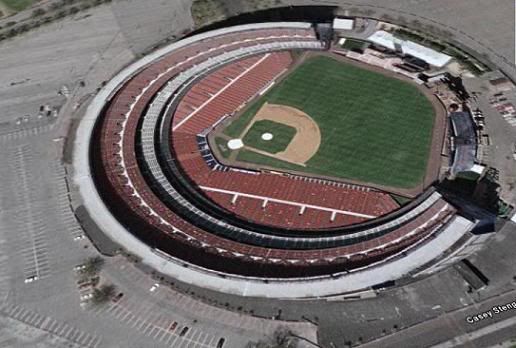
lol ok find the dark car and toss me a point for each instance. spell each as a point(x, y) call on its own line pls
point(184, 331)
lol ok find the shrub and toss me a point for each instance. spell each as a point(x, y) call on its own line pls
point(38, 12)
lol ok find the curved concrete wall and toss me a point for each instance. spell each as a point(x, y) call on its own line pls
point(274, 288)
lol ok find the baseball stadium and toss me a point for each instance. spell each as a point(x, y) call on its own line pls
point(264, 160)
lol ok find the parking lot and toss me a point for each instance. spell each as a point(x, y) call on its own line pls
point(41, 243)
point(163, 313)
point(25, 212)
point(48, 324)
point(160, 327)
point(504, 102)
point(40, 237)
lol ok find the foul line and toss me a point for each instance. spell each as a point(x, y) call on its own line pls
point(221, 91)
point(297, 204)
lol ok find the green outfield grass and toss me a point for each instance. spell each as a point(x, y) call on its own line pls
point(254, 157)
point(282, 135)
point(374, 129)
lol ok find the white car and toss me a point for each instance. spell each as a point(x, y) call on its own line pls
point(80, 237)
point(31, 279)
point(79, 268)
point(154, 287)
point(86, 297)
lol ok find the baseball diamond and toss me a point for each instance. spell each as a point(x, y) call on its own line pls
point(374, 128)
point(278, 140)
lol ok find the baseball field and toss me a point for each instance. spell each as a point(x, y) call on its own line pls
point(372, 128)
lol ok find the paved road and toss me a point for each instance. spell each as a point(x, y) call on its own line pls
point(433, 333)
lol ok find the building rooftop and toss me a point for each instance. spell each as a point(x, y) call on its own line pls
point(343, 24)
point(430, 56)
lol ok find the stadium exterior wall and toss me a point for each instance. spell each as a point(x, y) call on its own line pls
point(244, 286)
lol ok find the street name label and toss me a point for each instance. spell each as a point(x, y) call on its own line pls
point(472, 319)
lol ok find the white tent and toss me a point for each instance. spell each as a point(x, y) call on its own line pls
point(430, 56)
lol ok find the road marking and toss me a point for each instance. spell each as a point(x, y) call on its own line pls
point(48, 324)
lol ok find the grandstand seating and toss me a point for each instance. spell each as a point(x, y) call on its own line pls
point(203, 111)
point(129, 124)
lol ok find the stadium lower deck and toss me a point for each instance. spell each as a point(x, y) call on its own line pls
point(123, 162)
point(279, 200)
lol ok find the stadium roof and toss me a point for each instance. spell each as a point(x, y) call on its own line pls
point(430, 56)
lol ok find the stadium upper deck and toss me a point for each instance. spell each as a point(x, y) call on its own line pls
point(143, 185)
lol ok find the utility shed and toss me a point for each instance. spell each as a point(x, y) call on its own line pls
point(343, 24)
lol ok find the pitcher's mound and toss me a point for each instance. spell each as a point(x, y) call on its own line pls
point(267, 136)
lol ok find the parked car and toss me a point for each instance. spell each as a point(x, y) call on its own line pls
point(184, 331)
point(31, 279)
point(118, 297)
point(220, 344)
point(79, 268)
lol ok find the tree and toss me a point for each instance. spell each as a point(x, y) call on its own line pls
point(416, 24)
point(92, 266)
point(55, 6)
point(60, 14)
point(282, 338)
point(103, 294)
point(402, 20)
point(12, 32)
point(387, 18)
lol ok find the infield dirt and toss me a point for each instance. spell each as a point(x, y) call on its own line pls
point(305, 142)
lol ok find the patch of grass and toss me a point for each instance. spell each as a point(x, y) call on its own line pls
point(222, 146)
point(207, 11)
point(374, 128)
point(468, 176)
point(401, 200)
point(354, 45)
point(237, 126)
point(254, 157)
point(504, 209)
point(282, 135)
point(412, 36)
point(18, 5)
